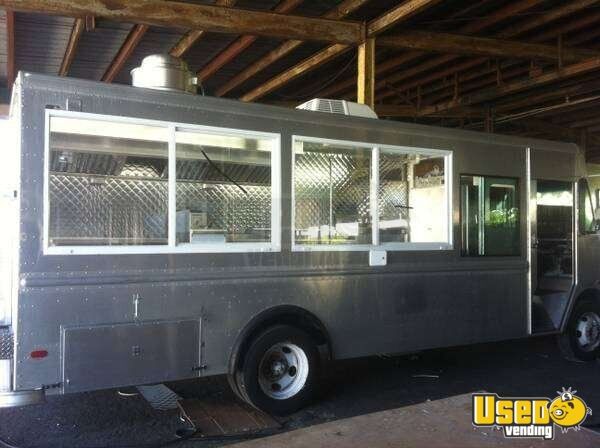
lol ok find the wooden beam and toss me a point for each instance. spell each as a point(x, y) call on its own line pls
point(211, 18)
point(297, 70)
point(408, 9)
point(594, 121)
point(131, 41)
point(380, 68)
point(398, 14)
point(192, 36)
point(566, 93)
point(557, 131)
point(240, 44)
point(572, 6)
point(11, 71)
point(76, 32)
point(508, 32)
point(566, 72)
point(338, 12)
point(409, 111)
point(506, 12)
point(481, 46)
point(366, 73)
point(576, 25)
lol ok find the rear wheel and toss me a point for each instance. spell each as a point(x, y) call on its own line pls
point(581, 340)
point(279, 372)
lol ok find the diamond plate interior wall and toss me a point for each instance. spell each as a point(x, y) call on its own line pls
point(332, 189)
point(100, 208)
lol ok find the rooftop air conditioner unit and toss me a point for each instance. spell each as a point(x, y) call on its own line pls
point(341, 107)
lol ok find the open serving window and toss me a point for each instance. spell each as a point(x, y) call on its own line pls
point(357, 196)
point(121, 185)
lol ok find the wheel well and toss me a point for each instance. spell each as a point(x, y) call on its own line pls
point(588, 295)
point(288, 315)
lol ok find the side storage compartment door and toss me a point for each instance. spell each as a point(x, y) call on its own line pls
point(105, 356)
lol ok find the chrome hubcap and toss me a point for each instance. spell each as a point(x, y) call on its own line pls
point(588, 331)
point(283, 371)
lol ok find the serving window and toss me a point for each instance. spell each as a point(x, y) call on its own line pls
point(356, 196)
point(135, 186)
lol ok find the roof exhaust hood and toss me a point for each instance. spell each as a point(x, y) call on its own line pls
point(164, 72)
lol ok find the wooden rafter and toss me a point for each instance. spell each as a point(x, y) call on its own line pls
point(211, 18)
point(569, 8)
point(484, 46)
point(504, 34)
point(78, 26)
point(192, 36)
point(496, 17)
point(297, 70)
point(339, 12)
point(11, 71)
point(409, 9)
point(557, 131)
point(131, 42)
point(397, 15)
point(564, 94)
point(240, 44)
point(566, 72)
point(410, 111)
point(594, 121)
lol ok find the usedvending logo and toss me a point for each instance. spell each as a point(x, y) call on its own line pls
point(526, 417)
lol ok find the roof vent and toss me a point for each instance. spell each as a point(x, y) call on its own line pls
point(341, 107)
point(164, 72)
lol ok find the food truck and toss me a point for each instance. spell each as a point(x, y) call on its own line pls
point(156, 235)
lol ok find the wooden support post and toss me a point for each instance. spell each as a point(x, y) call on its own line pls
point(489, 120)
point(456, 85)
point(366, 73)
point(560, 51)
point(90, 23)
point(584, 140)
point(11, 70)
point(498, 73)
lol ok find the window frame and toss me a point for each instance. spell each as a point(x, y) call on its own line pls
point(171, 247)
point(374, 207)
point(581, 211)
point(460, 216)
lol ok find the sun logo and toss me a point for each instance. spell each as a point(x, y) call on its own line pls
point(568, 410)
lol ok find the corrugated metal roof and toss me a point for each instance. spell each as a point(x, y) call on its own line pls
point(40, 41)
point(97, 49)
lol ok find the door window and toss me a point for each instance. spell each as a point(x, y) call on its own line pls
point(586, 209)
point(489, 216)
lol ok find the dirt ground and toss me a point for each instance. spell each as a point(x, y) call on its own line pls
point(105, 419)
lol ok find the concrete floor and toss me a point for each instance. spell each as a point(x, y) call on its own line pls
point(439, 423)
point(101, 419)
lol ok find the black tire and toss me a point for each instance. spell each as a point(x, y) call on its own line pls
point(247, 376)
point(569, 342)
